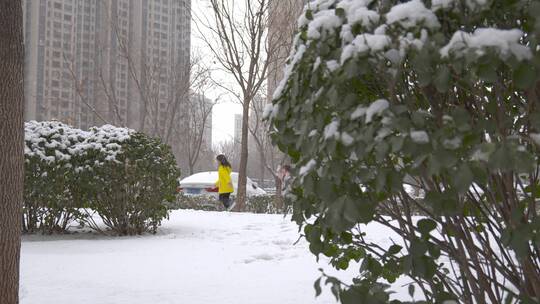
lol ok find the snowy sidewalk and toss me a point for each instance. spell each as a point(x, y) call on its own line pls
point(196, 258)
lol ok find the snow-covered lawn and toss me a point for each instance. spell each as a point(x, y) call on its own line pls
point(197, 257)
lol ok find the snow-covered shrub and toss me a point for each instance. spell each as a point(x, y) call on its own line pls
point(255, 204)
point(123, 176)
point(127, 178)
point(197, 202)
point(388, 107)
point(263, 204)
point(48, 204)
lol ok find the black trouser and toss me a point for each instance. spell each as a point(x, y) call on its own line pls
point(225, 198)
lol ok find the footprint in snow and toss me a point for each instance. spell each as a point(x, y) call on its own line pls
point(283, 243)
point(265, 257)
point(262, 257)
point(168, 236)
point(253, 228)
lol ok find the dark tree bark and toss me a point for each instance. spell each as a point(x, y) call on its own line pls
point(11, 147)
point(242, 178)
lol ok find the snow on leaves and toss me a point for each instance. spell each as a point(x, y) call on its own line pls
point(504, 42)
point(435, 94)
point(411, 14)
point(53, 141)
point(378, 34)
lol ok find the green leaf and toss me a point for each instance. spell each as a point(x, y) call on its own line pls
point(336, 288)
point(396, 142)
point(524, 76)
point(317, 286)
point(445, 158)
point(502, 159)
point(487, 73)
point(524, 162)
point(442, 79)
point(463, 178)
point(352, 295)
point(309, 14)
point(340, 12)
point(342, 264)
point(434, 250)
point(316, 248)
point(425, 226)
point(394, 249)
point(372, 266)
point(346, 237)
point(418, 248)
point(533, 190)
point(411, 290)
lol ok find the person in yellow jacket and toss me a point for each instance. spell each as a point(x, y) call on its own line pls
point(224, 182)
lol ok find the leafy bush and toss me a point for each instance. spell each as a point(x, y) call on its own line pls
point(255, 204)
point(127, 177)
point(264, 204)
point(424, 107)
point(197, 202)
point(48, 205)
point(123, 176)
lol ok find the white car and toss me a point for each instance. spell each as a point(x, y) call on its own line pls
point(201, 183)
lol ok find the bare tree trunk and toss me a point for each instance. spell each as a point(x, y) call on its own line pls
point(279, 195)
point(11, 147)
point(242, 171)
point(262, 168)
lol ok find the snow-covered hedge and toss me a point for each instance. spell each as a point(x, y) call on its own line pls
point(122, 175)
point(265, 204)
point(388, 107)
point(49, 203)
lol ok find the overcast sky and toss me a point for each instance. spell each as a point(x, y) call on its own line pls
point(223, 114)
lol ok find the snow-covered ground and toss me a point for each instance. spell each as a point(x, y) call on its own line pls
point(197, 257)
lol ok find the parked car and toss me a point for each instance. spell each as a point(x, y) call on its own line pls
point(203, 183)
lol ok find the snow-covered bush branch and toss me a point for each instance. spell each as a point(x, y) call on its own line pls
point(423, 107)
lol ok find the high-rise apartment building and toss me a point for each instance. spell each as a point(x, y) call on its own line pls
point(111, 81)
point(59, 45)
point(164, 55)
point(90, 62)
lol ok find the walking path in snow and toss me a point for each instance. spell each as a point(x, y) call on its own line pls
point(197, 257)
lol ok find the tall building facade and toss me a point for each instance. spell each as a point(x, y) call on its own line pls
point(59, 45)
point(91, 62)
point(164, 59)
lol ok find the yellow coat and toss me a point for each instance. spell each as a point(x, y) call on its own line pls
point(224, 182)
